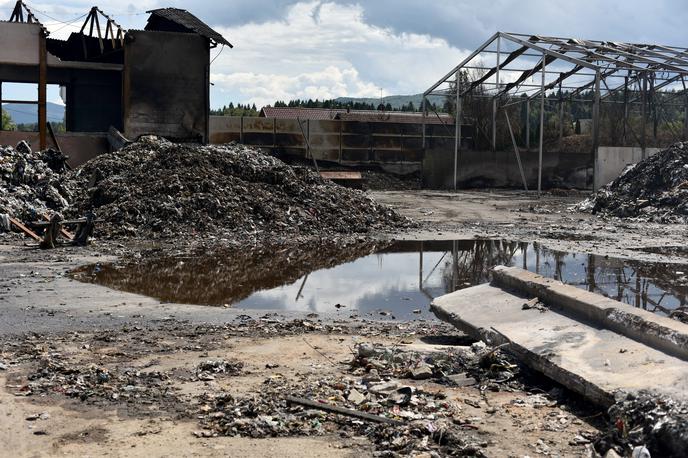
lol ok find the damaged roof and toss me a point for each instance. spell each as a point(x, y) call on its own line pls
point(172, 19)
point(315, 114)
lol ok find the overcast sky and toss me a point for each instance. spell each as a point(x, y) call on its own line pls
point(324, 49)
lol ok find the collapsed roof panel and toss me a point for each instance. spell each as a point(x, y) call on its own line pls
point(178, 20)
point(84, 48)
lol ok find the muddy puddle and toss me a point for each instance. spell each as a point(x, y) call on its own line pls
point(390, 279)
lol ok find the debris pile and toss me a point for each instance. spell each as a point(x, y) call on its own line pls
point(646, 420)
point(30, 183)
point(399, 418)
point(655, 189)
point(99, 386)
point(372, 401)
point(383, 181)
point(157, 188)
point(466, 366)
point(207, 370)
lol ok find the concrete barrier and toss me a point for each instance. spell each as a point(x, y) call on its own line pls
point(662, 333)
point(591, 344)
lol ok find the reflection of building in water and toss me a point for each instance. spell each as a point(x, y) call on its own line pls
point(397, 277)
point(651, 286)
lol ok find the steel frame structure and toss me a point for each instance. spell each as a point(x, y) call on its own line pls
point(524, 68)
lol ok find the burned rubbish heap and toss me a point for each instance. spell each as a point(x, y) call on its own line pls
point(31, 183)
point(657, 423)
point(161, 189)
point(373, 400)
point(655, 189)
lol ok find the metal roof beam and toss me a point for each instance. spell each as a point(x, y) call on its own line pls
point(555, 54)
point(561, 78)
point(647, 60)
point(463, 62)
point(510, 58)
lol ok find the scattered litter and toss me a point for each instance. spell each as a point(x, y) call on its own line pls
point(30, 184)
point(645, 424)
point(535, 304)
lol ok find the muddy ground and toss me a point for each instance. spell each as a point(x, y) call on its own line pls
point(150, 351)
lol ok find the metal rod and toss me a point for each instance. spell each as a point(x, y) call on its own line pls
point(542, 125)
point(23, 102)
point(42, 91)
point(464, 62)
point(457, 128)
point(341, 411)
point(420, 267)
point(494, 99)
point(596, 131)
point(308, 144)
point(685, 109)
point(643, 121)
point(528, 125)
point(424, 110)
point(518, 154)
point(561, 116)
point(625, 110)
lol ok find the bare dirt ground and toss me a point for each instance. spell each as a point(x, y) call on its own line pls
point(57, 334)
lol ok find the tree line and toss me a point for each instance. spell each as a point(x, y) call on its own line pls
point(341, 105)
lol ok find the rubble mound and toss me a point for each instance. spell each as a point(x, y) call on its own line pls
point(646, 420)
point(30, 182)
point(157, 188)
point(655, 189)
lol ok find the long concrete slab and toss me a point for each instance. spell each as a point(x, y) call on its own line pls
point(587, 353)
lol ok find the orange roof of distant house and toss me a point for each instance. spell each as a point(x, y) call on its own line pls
point(316, 114)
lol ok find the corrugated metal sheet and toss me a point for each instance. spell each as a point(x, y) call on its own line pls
point(189, 21)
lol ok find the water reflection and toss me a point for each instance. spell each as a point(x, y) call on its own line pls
point(394, 279)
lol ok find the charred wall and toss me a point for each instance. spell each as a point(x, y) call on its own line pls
point(395, 146)
point(481, 169)
point(94, 101)
point(166, 85)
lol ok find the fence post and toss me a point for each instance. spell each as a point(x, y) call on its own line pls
point(241, 130)
point(340, 139)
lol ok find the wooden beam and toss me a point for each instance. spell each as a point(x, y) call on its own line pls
point(42, 91)
point(25, 229)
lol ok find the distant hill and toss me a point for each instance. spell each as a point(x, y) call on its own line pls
point(28, 114)
point(397, 101)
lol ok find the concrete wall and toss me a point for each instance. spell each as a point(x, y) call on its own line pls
point(79, 147)
point(481, 169)
point(19, 43)
point(166, 85)
point(611, 160)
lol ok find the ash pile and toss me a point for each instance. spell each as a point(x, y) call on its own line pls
point(160, 189)
point(31, 183)
point(647, 421)
point(655, 189)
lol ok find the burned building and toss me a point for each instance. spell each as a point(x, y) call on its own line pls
point(152, 81)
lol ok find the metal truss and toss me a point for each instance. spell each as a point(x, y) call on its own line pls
point(513, 69)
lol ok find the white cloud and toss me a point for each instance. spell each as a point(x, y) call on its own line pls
point(325, 50)
point(263, 89)
point(315, 49)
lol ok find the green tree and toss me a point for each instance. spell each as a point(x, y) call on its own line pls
point(7, 123)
